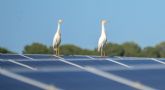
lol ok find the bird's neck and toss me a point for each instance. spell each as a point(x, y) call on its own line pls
point(103, 28)
point(59, 27)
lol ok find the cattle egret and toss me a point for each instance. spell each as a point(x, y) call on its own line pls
point(103, 39)
point(57, 39)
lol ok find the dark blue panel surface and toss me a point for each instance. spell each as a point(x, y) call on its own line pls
point(11, 56)
point(153, 78)
point(9, 65)
point(12, 84)
point(75, 57)
point(44, 63)
point(38, 56)
point(94, 62)
point(135, 62)
point(77, 81)
point(132, 62)
point(99, 57)
point(55, 72)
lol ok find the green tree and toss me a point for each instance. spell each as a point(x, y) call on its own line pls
point(113, 49)
point(69, 49)
point(36, 48)
point(161, 48)
point(131, 49)
point(88, 52)
point(51, 51)
point(150, 52)
point(4, 50)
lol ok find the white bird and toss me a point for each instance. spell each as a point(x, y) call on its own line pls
point(57, 39)
point(103, 38)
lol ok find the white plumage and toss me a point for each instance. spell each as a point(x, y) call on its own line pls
point(57, 39)
point(103, 38)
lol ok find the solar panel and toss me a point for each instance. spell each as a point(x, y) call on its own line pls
point(79, 72)
point(12, 84)
point(76, 57)
point(150, 77)
point(11, 56)
point(41, 56)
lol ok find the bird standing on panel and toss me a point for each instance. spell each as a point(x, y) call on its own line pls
point(103, 38)
point(57, 39)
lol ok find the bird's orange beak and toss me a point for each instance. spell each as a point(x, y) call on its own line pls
point(103, 21)
point(60, 20)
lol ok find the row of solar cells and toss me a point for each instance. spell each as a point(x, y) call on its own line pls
point(68, 77)
point(49, 56)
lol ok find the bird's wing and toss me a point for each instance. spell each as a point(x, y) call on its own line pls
point(56, 40)
point(99, 44)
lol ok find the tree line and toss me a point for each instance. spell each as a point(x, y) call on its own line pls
point(112, 49)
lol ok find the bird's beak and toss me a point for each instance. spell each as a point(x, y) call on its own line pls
point(60, 21)
point(103, 21)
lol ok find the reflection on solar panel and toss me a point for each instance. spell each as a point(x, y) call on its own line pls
point(49, 72)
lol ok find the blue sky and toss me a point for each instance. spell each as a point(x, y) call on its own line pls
point(25, 21)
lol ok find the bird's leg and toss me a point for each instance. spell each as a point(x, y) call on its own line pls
point(101, 52)
point(58, 51)
point(55, 51)
point(104, 53)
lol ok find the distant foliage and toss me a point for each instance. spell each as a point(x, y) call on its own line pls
point(4, 50)
point(150, 52)
point(112, 49)
point(131, 49)
point(161, 49)
point(69, 49)
point(36, 48)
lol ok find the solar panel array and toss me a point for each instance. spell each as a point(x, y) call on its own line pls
point(77, 72)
